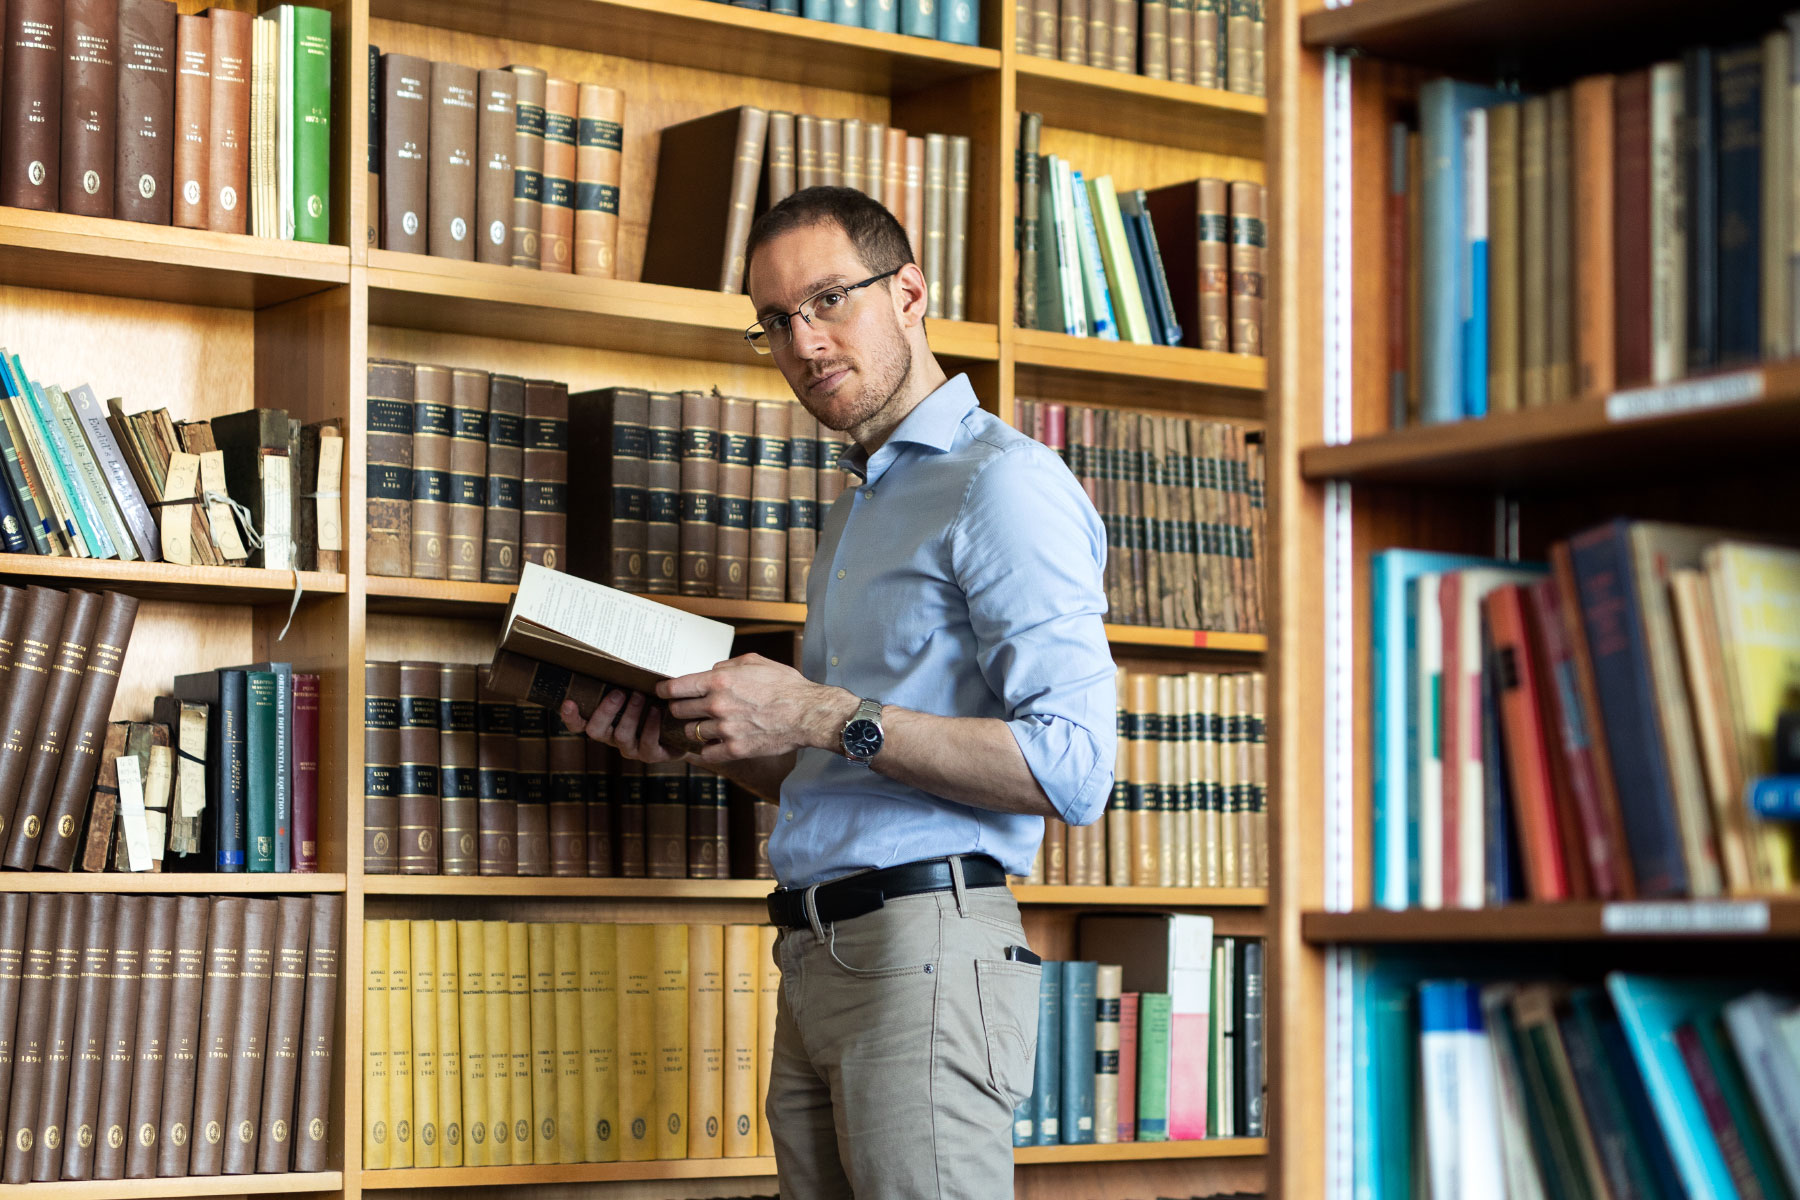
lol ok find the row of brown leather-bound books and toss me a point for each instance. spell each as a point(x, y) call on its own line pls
point(1208, 43)
point(461, 779)
point(166, 1036)
point(467, 472)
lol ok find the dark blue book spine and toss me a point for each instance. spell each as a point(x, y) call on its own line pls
point(1621, 1160)
point(1740, 78)
point(918, 19)
point(1146, 286)
point(1079, 983)
point(1621, 663)
point(1700, 194)
point(1046, 1081)
point(12, 525)
point(228, 800)
point(1153, 251)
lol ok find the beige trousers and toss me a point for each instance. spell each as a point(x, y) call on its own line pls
point(903, 1041)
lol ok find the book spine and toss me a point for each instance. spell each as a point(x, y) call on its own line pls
point(450, 171)
point(118, 1045)
point(780, 182)
point(802, 501)
point(496, 135)
point(1046, 1091)
point(249, 1039)
point(497, 757)
point(768, 501)
point(86, 730)
point(86, 1050)
point(375, 1083)
point(305, 858)
point(285, 1043)
point(531, 786)
point(428, 1133)
point(518, 1015)
point(261, 733)
point(471, 966)
point(32, 99)
point(528, 167)
point(1668, 226)
point(432, 431)
point(166, 1040)
point(665, 820)
point(389, 471)
point(29, 1033)
point(568, 803)
point(405, 147)
point(417, 784)
point(1700, 199)
point(670, 1049)
point(446, 1017)
point(699, 517)
point(1594, 223)
point(90, 79)
point(51, 724)
point(556, 245)
point(599, 167)
point(45, 1146)
point(1633, 253)
point(399, 1044)
point(30, 676)
point(146, 112)
point(1741, 155)
point(219, 1007)
point(224, 204)
point(1106, 1053)
point(546, 1142)
point(1247, 251)
point(599, 811)
point(662, 495)
point(544, 502)
point(737, 427)
point(87, 473)
point(381, 768)
point(458, 785)
point(309, 100)
point(228, 816)
point(467, 480)
point(501, 562)
point(934, 261)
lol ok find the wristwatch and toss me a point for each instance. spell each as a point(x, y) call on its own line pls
point(862, 736)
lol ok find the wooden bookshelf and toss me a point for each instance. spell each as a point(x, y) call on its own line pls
point(1143, 1151)
point(170, 581)
point(1136, 107)
point(293, 1183)
point(1775, 918)
point(163, 883)
point(1150, 897)
point(1208, 369)
point(1146, 636)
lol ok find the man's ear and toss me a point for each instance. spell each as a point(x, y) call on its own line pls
point(910, 295)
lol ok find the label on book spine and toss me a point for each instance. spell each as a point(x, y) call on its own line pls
point(1740, 387)
point(1656, 919)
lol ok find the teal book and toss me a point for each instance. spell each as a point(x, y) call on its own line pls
point(29, 406)
point(1046, 1081)
point(846, 12)
point(284, 760)
point(1155, 1020)
point(1079, 985)
point(68, 474)
point(1093, 266)
point(38, 526)
point(918, 18)
point(882, 16)
point(818, 10)
point(1745, 1117)
point(959, 21)
point(311, 83)
point(1051, 312)
point(259, 778)
point(1651, 1010)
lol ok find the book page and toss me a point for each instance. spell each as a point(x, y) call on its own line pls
point(630, 628)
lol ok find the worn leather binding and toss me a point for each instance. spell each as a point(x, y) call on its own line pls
point(281, 1053)
point(312, 1103)
point(249, 1044)
point(768, 501)
point(118, 1037)
point(31, 99)
point(87, 1050)
point(496, 131)
point(416, 784)
point(831, 152)
point(12, 619)
point(708, 826)
point(699, 526)
point(665, 820)
point(53, 1098)
point(520, 677)
point(87, 731)
point(431, 434)
point(935, 264)
point(458, 785)
point(568, 799)
point(90, 82)
point(531, 785)
point(806, 152)
point(662, 495)
point(451, 174)
point(706, 187)
point(609, 436)
point(599, 757)
point(802, 500)
point(501, 562)
point(389, 472)
point(31, 665)
point(544, 498)
point(150, 1039)
point(406, 143)
point(193, 119)
point(1153, 17)
point(51, 727)
point(468, 470)
point(556, 247)
point(599, 165)
point(628, 815)
point(779, 181)
point(528, 166)
point(737, 427)
point(30, 1036)
point(228, 150)
point(1247, 243)
point(381, 767)
point(496, 757)
point(912, 214)
point(14, 908)
point(216, 1051)
point(143, 187)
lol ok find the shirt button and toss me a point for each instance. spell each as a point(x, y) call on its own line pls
point(790, 815)
point(868, 493)
point(834, 660)
point(840, 574)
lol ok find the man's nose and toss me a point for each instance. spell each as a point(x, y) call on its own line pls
point(810, 340)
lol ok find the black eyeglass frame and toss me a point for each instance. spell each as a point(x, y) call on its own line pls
point(758, 336)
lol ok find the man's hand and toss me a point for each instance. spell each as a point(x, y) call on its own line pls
point(623, 719)
point(751, 707)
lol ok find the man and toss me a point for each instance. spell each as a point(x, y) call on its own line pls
point(957, 689)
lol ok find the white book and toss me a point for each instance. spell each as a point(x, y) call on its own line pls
point(1668, 228)
point(1772, 1072)
point(284, 121)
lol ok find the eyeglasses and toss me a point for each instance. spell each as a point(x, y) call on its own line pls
point(827, 308)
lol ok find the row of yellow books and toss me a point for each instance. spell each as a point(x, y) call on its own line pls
point(494, 1043)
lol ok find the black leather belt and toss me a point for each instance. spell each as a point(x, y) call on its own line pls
point(854, 895)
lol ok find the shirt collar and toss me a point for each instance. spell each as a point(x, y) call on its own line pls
point(933, 423)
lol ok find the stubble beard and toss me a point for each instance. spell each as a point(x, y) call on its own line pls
point(889, 368)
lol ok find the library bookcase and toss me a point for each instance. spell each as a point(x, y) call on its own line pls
point(204, 323)
point(1344, 486)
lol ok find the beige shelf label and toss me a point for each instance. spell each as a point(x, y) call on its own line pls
point(1740, 387)
point(1656, 918)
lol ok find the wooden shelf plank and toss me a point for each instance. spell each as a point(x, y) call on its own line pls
point(157, 262)
point(1141, 109)
point(1142, 1151)
point(168, 581)
point(1160, 897)
point(1200, 383)
point(1581, 444)
point(1773, 918)
point(1187, 639)
point(757, 889)
point(162, 884)
point(417, 291)
point(1542, 39)
point(693, 33)
point(186, 1185)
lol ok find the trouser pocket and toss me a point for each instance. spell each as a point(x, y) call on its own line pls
point(1008, 993)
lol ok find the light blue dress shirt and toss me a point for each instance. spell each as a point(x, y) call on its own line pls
point(962, 577)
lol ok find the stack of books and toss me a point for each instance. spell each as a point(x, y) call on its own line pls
point(218, 121)
point(1208, 43)
point(1603, 719)
point(957, 21)
point(511, 166)
point(1164, 1043)
point(167, 1036)
point(490, 1043)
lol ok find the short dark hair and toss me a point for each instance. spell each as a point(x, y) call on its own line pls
point(879, 239)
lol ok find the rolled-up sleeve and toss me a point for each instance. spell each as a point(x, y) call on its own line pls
point(1029, 553)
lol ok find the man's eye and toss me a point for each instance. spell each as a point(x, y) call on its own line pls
point(830, 300)
point(776, 324)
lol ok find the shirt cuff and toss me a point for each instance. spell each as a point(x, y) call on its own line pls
point(1066, 760)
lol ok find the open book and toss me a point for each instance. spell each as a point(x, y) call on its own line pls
point(568, 638)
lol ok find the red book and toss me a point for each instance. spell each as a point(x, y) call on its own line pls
point(1128, 1060)
point(306, 774)
point(1522, 730)
point(1560, 701)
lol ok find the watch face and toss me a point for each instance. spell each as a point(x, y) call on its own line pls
point(862, 738)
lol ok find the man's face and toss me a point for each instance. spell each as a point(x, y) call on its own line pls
point(844, 373)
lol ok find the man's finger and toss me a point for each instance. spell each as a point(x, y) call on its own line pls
point(685, 686)
point(690, 709)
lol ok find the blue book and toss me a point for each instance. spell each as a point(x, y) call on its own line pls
point(12, 524)
point(882, 16)
point(1393, 705)
point(1080, 980)
point(918, 18)
point(22, 411)
point(789, 8)
point(818, 10)
point(1472, 303)
point(846, 12)
point(1099, 296)
point(1046, 1081)
point(1442, 105)
point(1165, 303)
point(1651, 1010)
point(959, 21)
point(1134, 241)
point(1776, 797)
point(284, 755)
point(1397, 133)
point(1739, 114)
point(224, 829)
